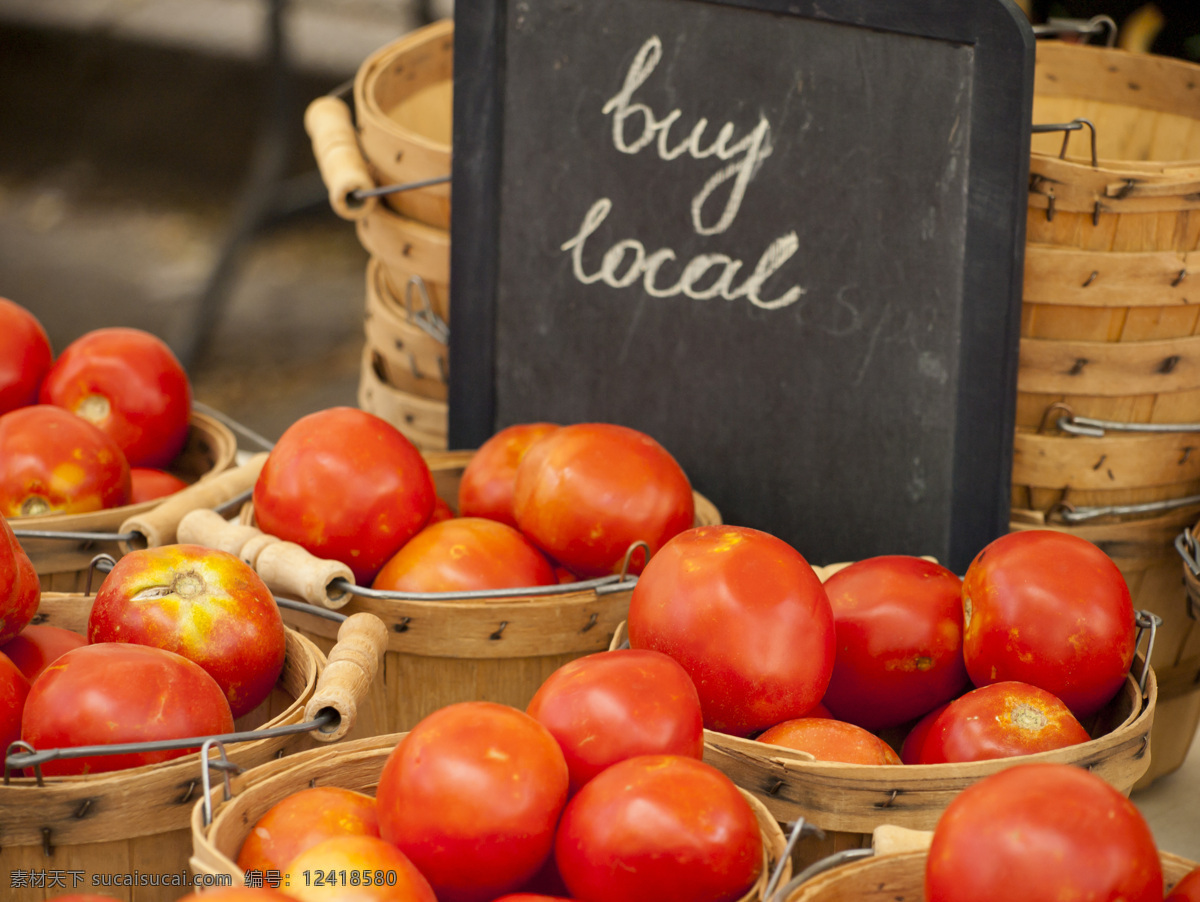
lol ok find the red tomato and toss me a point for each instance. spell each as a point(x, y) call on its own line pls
point(1187, 889)
point(115, 693)
point(25, 356)
point(489, 480)
point(748, 619)
point(14, 689)
point(20, 590)
point(327, 871)
point(463, 554)
point(1001, 721)
point(441, 512)
point(914, 742)
point(38, 646)
point(148, 484)
point(1051, 609)
point(52, 461)
point(207, 605)
point(898, 622)
point(584, 494)
point(301, 820)
point(1042, 833)
point(129, 384)
point(819, 710)
point(831, 740)
point(476, 783)
point(607, 707)
point(345, 485)
point(659, 827)
point(531, 897)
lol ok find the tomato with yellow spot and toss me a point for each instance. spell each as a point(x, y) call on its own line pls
point(831, 740)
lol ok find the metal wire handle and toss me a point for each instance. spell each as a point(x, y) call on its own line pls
point(1066, 128)
point(1055, 27)
point(1093, 428)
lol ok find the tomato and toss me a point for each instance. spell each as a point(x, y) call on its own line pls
point(303, 819)
point(20, 590)
point(489, 480)
point(831, 740)
point(147, 484)
point(25, 356)
point(748, 619)
point(441, 511)
point(607, 707)
point(659, 827)
point(819, 710)
point(914, 742)
point(1187, 889)
point(1051, 609)
point(464, 554)
point(207, 605)
point(531, 897)
point(585, 493)
point(38, 646)
point(898, 622)
point(472, 795)
point(51, 461)
point(14, 689)
point(129, 384)
point(1000, 721)
point(115, 693)
point(345, 485)
point(1042, 833)
point(327, 871)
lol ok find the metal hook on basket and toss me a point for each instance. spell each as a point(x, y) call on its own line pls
point(1147, 621)
point(628, 559)
point(1067, 127)
point(1059, 406)
point(1185, 544)
point(1090, 26)
point(102, 563)
point(21, 746)
point(819, 867)
point(426, 317)
point(222, 764)
point(800, 828)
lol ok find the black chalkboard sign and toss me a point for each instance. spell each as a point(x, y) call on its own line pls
point(783, 237)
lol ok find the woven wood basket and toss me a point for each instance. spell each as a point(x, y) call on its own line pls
point(135, 821)
point(1109, 321)
point(354, 765)
point(62, 565)
point(901, 878)
point(423, 421)
point(404, 355)
point(441, 652)
point(850, 801)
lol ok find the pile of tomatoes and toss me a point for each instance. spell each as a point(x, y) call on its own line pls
point(92, 429)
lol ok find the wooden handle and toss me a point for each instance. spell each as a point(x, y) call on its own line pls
point(158, 525)
point(339, 158)
point(353, 664)
point(890, 840)
point(291, 570)
point(208, 528)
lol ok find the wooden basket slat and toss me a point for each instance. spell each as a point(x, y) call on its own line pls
point(1109, 368)
point(1085, 278)
point(421, 420)
point(1111, 462)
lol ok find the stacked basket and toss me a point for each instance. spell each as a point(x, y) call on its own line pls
point(1110, 331)
point(398, 135)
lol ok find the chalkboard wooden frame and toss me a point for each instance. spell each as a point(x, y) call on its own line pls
point(1001, 99)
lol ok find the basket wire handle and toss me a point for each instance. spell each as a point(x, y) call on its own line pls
point(800, 828)
point(20, 745)
point(819, 867)
point(1090, 26)
point(207, 765)
point(1066, 128)
point(1094, 428)
point(426, 318)
point(1071, 514)
point(1185, 544)
point(1147, 622)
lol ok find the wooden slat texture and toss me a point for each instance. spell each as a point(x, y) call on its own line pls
point(1113, 462)
point(1109, 369)
point(1081, 278)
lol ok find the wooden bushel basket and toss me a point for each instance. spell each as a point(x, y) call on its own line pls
point(423, 421)
point(439, 652)
point(62, 565)
point(406, 354)
point(135, 821)
point(355, 765)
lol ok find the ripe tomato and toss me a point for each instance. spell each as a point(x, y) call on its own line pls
point(14, 689)
point(898, 622)
point(1187, 889)
point(531, 897)
point(146, 484)
point(748, 619)
point(1042, 833)
point(51, 461)
point(345, 485)
point(441, 511)
point(659, 827)
point(607, 707)
point(488, 482)
point(585, 493)
point(129, 384)
point(327, 871)
point(831, 740)
point(463, 554)
point(914, 742)
point(1000, 721)
point(20, 590)
point(115, 693)
point(38, 646)
point(474, 782)
point(1051, 609)
point(301, 820)
point(207, 605)
point(25, 356)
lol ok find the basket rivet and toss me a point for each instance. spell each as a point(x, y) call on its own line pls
point(591, 622)
point(778, 785)
point(47, 848)
point(402, 625)
point(891, 800)
point(83, 809)
point(191, 788)
point(496, 635)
